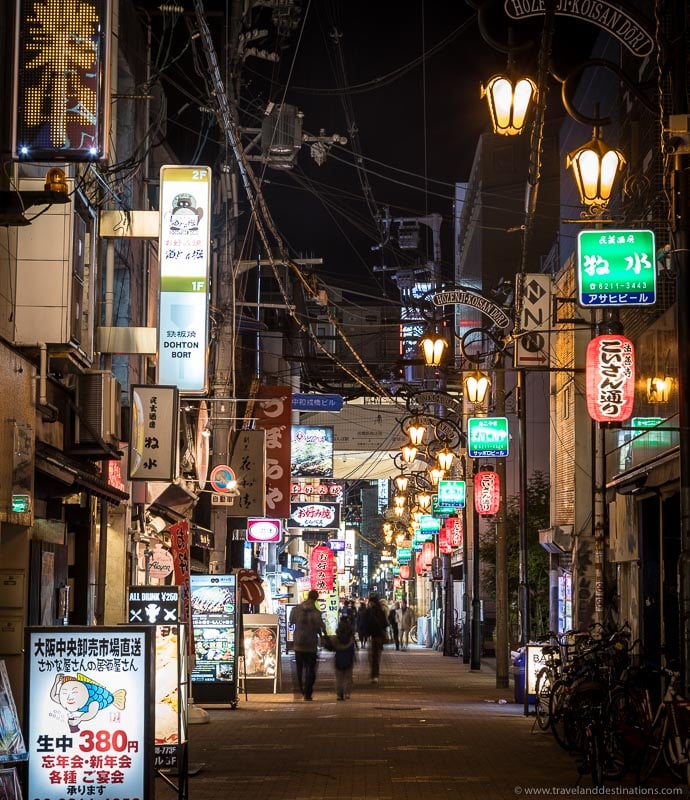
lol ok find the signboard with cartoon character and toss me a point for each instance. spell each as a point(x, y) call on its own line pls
point(89, 712)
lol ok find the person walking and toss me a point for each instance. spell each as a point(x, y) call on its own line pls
point(309, 627)
point(393, 622)
point(404, 617)
point(344, 646)
point(376, 624)
point(361, 624)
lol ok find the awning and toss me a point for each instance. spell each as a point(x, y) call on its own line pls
point(67, 472)
point(172, 501)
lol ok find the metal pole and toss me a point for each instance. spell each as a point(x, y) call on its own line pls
point(522, 539)
point(465, 579)
point(502, 643)
point(476, 655)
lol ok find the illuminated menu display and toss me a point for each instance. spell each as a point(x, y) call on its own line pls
point(61, 78)
point(214, 621)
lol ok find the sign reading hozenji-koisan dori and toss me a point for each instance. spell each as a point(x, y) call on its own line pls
point(616, 268)
point(89, 712)
point(184, 247)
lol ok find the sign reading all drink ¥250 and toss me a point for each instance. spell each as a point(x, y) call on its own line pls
point(616, 268)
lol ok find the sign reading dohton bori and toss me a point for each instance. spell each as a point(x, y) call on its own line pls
point(89, 712)
point(616, 268)
point(184, 248)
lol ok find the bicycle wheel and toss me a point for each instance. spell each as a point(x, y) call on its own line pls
point(675, 757)
point(628, 730)
point(559, 713)
point(413, 634)
point(652, 748)
point(542, 697)
point(596, 756)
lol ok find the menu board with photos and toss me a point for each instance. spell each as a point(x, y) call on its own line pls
point(215, 610)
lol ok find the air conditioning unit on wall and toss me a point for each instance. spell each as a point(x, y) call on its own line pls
point(98, 404)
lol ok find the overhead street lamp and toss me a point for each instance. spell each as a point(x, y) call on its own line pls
point(595, 166)
point(509, 102)
point(433, 345)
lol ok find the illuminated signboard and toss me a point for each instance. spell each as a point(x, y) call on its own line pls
point(311, 451)
point(610, 378)
point(215, 616)
point(451, 494)
point(616, 268)
point(184, 247)
point(153, 433)
point(61, 80)
point(487, 437)
point(90, 700)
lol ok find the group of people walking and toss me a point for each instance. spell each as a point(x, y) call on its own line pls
point(357, 627)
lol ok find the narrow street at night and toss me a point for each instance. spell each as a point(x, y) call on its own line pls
point(430, 728)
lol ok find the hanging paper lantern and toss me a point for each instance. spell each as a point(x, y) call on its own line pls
point(405, 572)
point(487, 492)
point(450, 535)
point(427, 555)
point(322, 569)
point(610, 370)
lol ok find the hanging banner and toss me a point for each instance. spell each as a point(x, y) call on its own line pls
point(153, 433)
point(272, 413)
point(610, 375)
point(487, 492)
point(322, 569)
point(248, 462)
point(184, 251)
point(450, 535)
point(89, 711)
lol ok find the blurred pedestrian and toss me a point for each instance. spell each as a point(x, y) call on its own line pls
point(361, 624)
point(376, 624)
point(393, 622)
point(309, 627)
point(404, 616)
point(344, 646)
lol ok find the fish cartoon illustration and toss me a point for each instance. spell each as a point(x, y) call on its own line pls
point(83, 698)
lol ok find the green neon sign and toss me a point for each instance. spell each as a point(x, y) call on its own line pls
point(616, 268)
point(451, 494)
point(488, 437)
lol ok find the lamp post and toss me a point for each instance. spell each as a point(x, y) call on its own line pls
point(476, 388)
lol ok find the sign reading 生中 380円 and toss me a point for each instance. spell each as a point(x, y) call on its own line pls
point(89, 712)
point(184, 246)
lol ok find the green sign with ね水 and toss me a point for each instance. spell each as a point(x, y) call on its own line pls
point(616, 268)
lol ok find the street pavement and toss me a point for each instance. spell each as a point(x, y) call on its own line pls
point(431, 728)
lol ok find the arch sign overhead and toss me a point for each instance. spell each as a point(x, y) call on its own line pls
point(619, 23)
point(460, 297)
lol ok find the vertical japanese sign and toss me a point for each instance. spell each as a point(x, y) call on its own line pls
point(273, 413)
point(61, 80)
point(153, 433)
point(179, 544)
point(487, 492)
point(184, 247)
point(322, 569)
point(610, 374)
point(89, 712)
point(616, 268)
point(248, 462)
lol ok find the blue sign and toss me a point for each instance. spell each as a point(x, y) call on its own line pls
point(317, 402)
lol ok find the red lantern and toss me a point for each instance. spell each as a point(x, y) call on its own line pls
point(450, 535)
point(404, 572)
point(610, 371)
point(487, 492)
point(427, 555)
point(322, 569)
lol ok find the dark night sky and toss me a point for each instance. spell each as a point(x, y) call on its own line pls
point(418, 124)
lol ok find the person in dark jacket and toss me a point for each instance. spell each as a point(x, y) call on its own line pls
point(309, 627)
point(376, 624)
point(393, 622)
point(344, 647)
point(362, 624)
